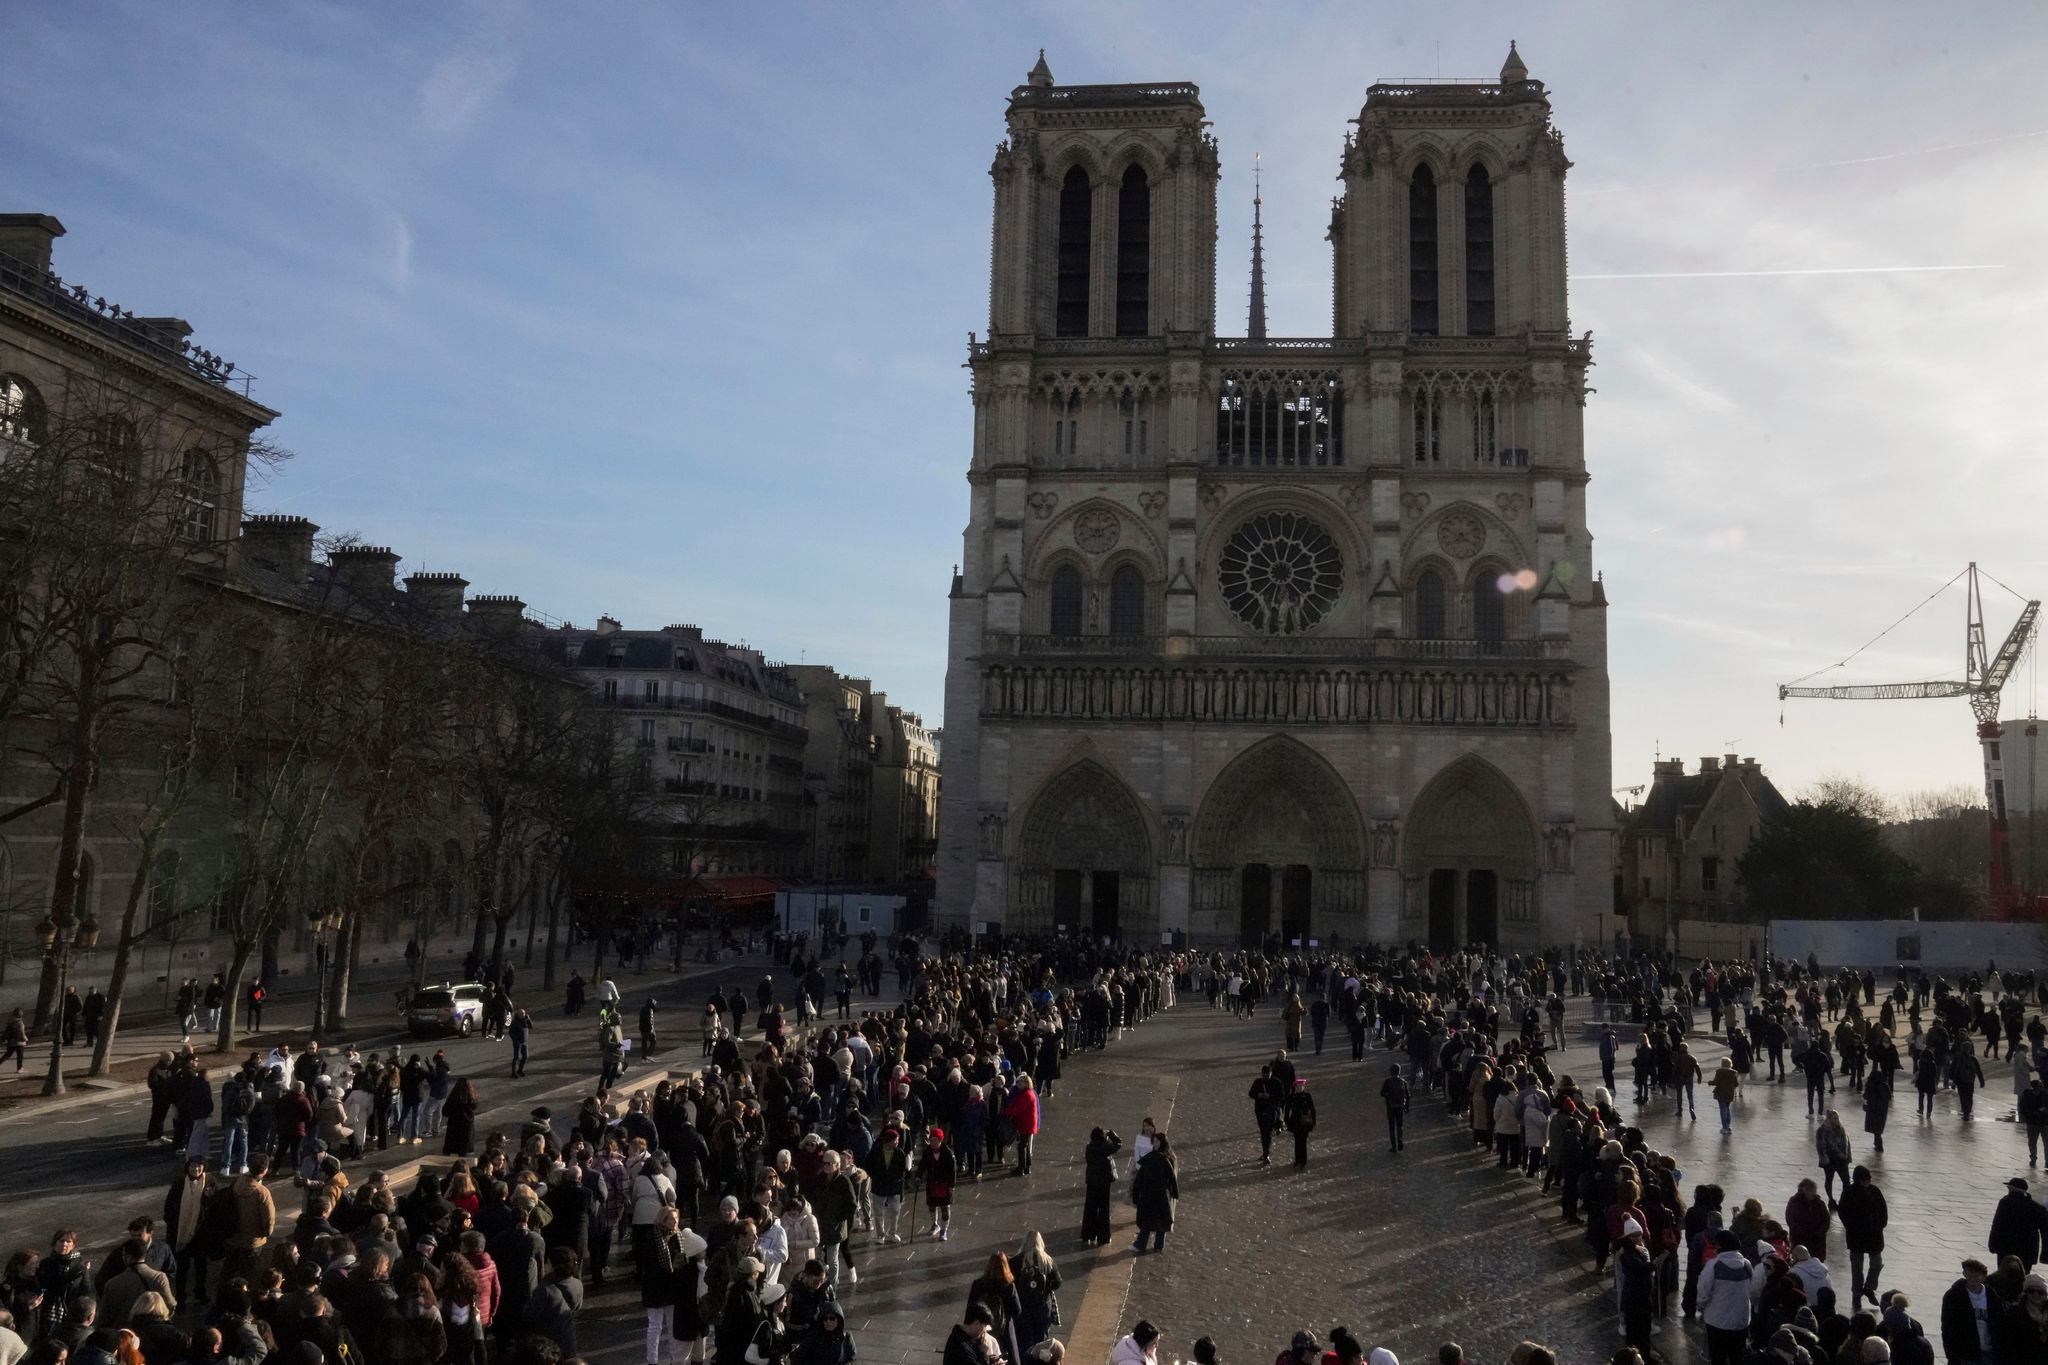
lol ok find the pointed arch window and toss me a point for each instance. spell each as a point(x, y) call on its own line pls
point(198, 497)
point(1479, 253)
point(1485, 429)
point(1135, 413)
point(1429, 606)
point(1070, 317)
point(1489, 608)
point(1429, 426)
point(1127, 602)
point(1422, 320)
point(1066, 601)
point(1133, 254)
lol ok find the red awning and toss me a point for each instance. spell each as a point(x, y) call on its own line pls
point(743, 888)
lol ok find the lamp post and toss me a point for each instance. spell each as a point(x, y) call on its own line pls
point(63, 952)
point(324, 921)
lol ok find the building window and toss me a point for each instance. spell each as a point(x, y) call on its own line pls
point(199, 497)
point(1066, 601)
point(21, 412)
point(1276, 421)
point(647, 734)
point(1127, 602)
point(1710, 875)
point(1485, 430)
point(611, 689)
point(1429, 427)
point(1070, 316)
point(1429, 606)
point(1489, 608)
point(650, 690)
point(1422, 252)
point(1478, 253)
point(1133, 254)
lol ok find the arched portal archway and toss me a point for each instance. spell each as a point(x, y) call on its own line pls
point(1469, 858)
point(1279, 850)
point(1084, 862)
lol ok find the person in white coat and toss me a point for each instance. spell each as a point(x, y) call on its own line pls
point(1535, 1129)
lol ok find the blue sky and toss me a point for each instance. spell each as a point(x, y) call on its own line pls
point(659, 310)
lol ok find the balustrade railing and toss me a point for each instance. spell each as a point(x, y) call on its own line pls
point(1333, 647)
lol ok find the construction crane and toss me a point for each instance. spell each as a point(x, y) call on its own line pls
point(1984, 677)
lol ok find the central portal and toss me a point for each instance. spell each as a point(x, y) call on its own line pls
point(1279, 851)
point(1254, 905)
point(1104, 891)
point(1294, 901)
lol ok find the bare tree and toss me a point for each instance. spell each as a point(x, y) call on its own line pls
point(110, 549)
point(1851, 793)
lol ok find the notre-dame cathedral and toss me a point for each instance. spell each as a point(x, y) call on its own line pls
point(1292, 638)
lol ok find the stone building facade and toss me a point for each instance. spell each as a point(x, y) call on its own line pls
point(184, 421)
point(1260, 637)
point(873, 774)
point(718, 730)
point(1680, 848)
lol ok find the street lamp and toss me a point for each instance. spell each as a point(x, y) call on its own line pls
point(325, 922)
point(63, 954)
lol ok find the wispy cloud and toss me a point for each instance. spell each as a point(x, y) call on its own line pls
point(459, 88)
point(1943, 147)
point(401, 253)
point(1770, 274)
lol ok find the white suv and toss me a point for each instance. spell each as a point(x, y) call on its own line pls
point(446, 1009)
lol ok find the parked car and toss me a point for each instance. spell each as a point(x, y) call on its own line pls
point(446, 1009)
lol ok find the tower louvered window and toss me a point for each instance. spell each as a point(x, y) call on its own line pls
point(1478, 253)
point(1422, 253)
point(1071, 314)
point(1133, 255)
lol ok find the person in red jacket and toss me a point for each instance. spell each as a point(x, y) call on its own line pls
point(1022, 1112)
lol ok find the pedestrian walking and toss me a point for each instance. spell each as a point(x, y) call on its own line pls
point(1725, 1084)
point(1831, 1146)
point(1156, 1191)
point(1395, 1094)
point(1877, 1106)
point(2019, 1225)
point(1268, 1106)
point(1864, 1215)
point(1301, 1119)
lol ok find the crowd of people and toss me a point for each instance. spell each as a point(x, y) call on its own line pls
point(738, 1200)
point(1480, 1031)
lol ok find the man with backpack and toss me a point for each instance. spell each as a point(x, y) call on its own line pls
point(237, 1103)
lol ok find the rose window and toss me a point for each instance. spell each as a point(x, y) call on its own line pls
point(1281, 573)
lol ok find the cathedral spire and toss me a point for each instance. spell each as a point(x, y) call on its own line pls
point(1256, 328)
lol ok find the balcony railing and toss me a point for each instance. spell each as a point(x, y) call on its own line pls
point(710, 708)
point(116, 323)
point(1335, 647)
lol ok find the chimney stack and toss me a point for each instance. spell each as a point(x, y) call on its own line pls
point(1709, 764)
point(1731, 761)
point(1668, 767)
point(439, 595)
point(28, 237)
point(369, 572)
point(281, 544)
point(607, 624)
point(497, 614)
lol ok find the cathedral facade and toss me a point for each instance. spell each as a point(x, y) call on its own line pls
point(1262, 638)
